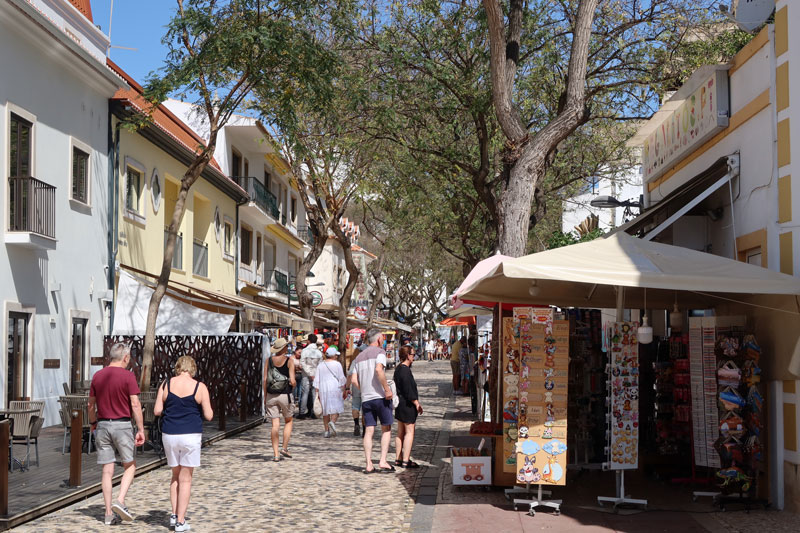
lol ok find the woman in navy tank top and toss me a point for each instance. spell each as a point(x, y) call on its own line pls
point(183, 402)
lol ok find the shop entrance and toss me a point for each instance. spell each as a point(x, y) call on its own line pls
point(18, 360)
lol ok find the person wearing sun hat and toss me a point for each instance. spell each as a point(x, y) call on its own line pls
point(279, 380)
point(329, 385)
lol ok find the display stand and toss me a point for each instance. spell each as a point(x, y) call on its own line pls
point(620, 498)
point(526, 490)
point(539, 501)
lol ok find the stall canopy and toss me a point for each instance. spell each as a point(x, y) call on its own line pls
point(463, 321)
point(469, 310)
point(587, 274)
point(478, 272)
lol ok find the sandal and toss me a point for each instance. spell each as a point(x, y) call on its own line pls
point(285, 453)
point(386, 470)
point(365, 471)
point(398, 463)
point(410, 464)
point(276, 459)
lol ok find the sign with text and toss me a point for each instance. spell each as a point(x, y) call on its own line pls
point(703, 114)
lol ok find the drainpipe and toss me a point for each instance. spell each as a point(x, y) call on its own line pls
point(113, 221)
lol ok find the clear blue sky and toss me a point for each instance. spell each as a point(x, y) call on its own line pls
point(136, 24)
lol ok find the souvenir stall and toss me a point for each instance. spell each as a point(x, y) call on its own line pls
point(707, 396)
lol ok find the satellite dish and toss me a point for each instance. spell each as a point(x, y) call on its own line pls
point(750, 15)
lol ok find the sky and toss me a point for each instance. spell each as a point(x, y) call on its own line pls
point(136, 24)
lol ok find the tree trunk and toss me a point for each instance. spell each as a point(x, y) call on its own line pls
point(148, 351)
point(344, 301)
point(377, 272)
point(304, 298)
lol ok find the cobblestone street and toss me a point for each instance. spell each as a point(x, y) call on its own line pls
point(239, 488)
point(321, 487)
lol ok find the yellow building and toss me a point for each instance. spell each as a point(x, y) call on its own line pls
point(149, 166)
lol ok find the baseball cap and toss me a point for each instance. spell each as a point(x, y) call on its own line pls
point(278, 345)
point(320, 341)
point(332, 351)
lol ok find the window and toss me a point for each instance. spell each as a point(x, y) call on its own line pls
point(19, 365)
point(246, 167)
point(267, 181)
point(269, 255)
point(293, 211)
point(228, 239)
point(259, 253)
point(246, 246)
point(236, 163)
point(19, 147)
point(217, 223)
point(752, 248)
point(133, 190)
point(80, 175)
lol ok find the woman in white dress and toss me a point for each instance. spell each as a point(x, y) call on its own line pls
point(330, 383)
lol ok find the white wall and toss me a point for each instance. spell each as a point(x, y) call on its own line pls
point(66, 103)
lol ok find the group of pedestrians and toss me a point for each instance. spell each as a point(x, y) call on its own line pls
point(436, 349)
point(183, 402)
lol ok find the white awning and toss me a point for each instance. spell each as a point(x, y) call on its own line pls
point(175, 316)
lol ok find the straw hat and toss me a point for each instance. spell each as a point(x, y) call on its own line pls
point(278, 345)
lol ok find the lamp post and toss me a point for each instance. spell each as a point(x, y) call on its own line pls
point(610, 202)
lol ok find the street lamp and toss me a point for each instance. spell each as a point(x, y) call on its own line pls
point(609, 202)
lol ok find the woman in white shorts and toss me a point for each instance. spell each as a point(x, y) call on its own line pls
point(183, 401)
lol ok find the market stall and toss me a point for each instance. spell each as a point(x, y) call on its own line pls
point(725, 420)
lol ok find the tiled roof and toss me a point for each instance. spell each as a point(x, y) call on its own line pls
point(162, 117)
point(84, 6)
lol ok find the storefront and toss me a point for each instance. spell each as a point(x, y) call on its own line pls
point(693, 400)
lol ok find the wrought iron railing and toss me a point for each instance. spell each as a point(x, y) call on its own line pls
point(259, 194)
point(304, 232)
point(277, 281)
point(32, 206)
point(200, 258)
point(177, 251)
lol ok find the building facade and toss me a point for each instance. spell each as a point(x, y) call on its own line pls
point(717, 168)
point(54, 144)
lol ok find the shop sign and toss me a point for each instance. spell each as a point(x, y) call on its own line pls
point(281, 320)
point(316, 298)
point(97, 361)
point(361, 313)
point(703, 114)
point(258, 315)
point(52, 363)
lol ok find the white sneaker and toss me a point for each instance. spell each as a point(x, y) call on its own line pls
point(182, 527)
point(326, 435)
point(122, 511)
point(173, 519)
point(333, 428)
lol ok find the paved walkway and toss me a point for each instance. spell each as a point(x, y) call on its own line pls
point(240, 488)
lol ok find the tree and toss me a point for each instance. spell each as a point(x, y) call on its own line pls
point(219, 52)
point(599, 60)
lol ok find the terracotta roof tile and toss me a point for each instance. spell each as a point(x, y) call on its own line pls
point(162, 117)
point(84, 6)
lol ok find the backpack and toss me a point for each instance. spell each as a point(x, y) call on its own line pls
point(277, 383)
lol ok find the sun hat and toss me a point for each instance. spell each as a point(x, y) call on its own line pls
point(278, 345)
point(302, 338)
point(332, 351)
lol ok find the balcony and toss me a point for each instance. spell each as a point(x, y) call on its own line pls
point(276, 281)
point(304, 232)
point(199, 258)
point(260, 196)
point(177, 252)
point(32, 213)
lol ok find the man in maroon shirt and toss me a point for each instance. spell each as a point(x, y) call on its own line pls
point(113, 399)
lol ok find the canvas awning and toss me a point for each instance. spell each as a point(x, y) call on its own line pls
point(586, 274)
point(469, 310)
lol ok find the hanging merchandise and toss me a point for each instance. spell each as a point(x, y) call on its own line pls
point(541, 450)
point(623, 373)
point(510, 368)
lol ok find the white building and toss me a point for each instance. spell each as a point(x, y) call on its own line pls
point(271, 228)
point(54, 130)
point(575, 210)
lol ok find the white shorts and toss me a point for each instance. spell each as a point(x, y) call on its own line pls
point(183, 450)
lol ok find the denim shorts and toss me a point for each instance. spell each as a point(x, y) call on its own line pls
point(379, 409)
point(356, 397)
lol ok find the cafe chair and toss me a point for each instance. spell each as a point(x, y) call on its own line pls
point(26, 429)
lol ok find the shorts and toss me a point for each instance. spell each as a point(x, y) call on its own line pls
point(378, 409)
point(464, 368)
point(114, 441)
point(183, 450)
point(455, 366)
point(280, 405)
point(356, 397)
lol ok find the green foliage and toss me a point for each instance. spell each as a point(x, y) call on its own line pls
point(558, 238)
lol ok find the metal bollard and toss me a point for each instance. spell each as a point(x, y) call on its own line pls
point(4, 425)
point(243, 403)
point(75, 448)
point(221, 407)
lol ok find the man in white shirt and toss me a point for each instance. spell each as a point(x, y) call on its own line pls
point(430, 347)
point(310, 358)
point(368, 374)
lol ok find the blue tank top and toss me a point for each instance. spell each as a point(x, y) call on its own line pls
point(182, 415)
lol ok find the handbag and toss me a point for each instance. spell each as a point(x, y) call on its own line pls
point(729, 375)
point(318, 407)
point(395, 398)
